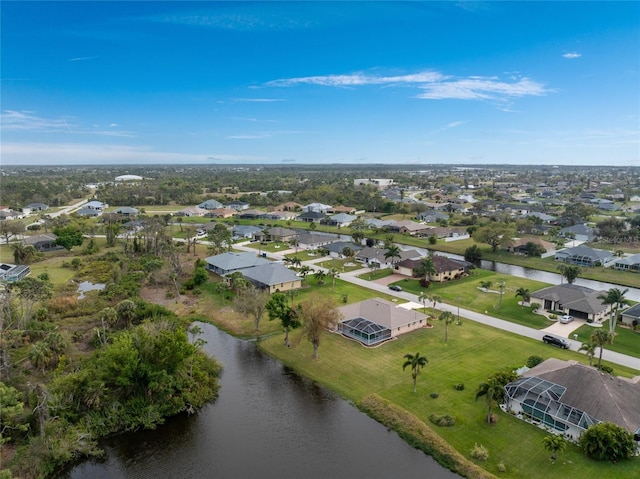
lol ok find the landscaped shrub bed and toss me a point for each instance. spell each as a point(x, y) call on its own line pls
point(442, 420)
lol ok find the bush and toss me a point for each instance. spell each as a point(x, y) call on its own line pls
point(458, 387)
point(606, 369)
point(607, 442)
point(502, 467)
point(442, 420)
point(533, 361)
point(434, 395)
point(553, 316)
point(480, 452)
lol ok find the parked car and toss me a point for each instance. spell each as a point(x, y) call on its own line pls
point(561, 343)
point(395, 287)
point(566, 319)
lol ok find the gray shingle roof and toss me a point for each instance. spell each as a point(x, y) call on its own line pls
point(573, 296)
point(270, 274)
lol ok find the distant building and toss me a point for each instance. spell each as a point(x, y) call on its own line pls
point(11, 273)
point(380, 183)
point(129, 178)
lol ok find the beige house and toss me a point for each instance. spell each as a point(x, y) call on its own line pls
point(578, 301)
point(376, 320)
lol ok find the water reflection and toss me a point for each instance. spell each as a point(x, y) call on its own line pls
point(268, 422)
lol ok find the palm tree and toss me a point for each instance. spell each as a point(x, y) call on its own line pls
point(589, 349)
point(126, 310)
point(524, 294)
point(569, 272)
point(426, 268)
point(436, 299)
point(320, 275)
point(333, 273)
point(448, 318)
point(615, 298)
point(416, 362)
point(490, 390)
point(423, 298)
point(601, 337)
point(304, 271)
point(39, 355)
point(554, 444)
point(392, 253)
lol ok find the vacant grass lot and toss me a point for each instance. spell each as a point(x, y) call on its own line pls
point(473, 352)
point(626, 341)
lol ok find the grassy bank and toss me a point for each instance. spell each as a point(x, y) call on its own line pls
point(472, 353)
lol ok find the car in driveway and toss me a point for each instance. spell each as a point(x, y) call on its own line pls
point(566, 319)
point(395, 287)
point(555, 341)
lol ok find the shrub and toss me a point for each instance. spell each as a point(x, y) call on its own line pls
point(535, 307)
point(434, 395)
point(502, 467)
point(480, 452)
point(553, 316)
point(607, 442)
point(442, 420)
point(458, 387)
point(533, 361)
point(606, 369)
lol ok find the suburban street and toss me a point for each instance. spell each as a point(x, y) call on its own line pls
point(556, 329)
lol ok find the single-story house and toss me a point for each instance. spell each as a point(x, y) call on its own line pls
point(350, 210)
point(408, 227)
point(545, 218)
point(582, 255)
point(577, 301)
point(578, 233)
point(251, 214)
point(629, 315)
point(521, 245)
point(226, 263)
point(315, 239)
point(89, 212)
point(210, 204)
point(244, 231)
point(311, 217)
point(628, 263)
point(277, 233)
point(316, 208)
point(341, 219)
point(10, 215)
point(376, 320)
point(273, 277)
point(220, 213)
point(336, 248)
point(289, 206)
point(238, 205)
point(42, 242)
point(379, 224)
point(371, 255)
point(568, 397)
point(96, 205)
point(37, 207)
point(281, 215)
point(13, 272)
point(127, 211)
point(433, 216)
point(192, 211)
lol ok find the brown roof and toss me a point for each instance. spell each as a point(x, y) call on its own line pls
point(602, 396)
point(442, 264)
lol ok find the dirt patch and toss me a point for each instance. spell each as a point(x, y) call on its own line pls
point(184, 304)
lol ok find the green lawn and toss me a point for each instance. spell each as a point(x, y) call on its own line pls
point(473, 352)
point(626, 341)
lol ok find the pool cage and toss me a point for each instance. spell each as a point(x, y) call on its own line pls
point(365, 331)
point(540, 400)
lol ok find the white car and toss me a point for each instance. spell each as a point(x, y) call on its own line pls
point(566, 319)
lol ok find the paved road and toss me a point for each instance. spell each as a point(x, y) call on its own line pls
point(351, 277)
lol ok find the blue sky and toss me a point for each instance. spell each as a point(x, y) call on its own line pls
point(554, 83)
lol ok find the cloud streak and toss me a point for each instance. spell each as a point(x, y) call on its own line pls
point(28, 121)
point(432, 85)
point(572, 55)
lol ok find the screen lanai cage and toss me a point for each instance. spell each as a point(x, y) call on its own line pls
point(365, 331)
point(540, 400)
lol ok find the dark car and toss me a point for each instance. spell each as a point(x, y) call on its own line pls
point(395, 287)
point(561, 343)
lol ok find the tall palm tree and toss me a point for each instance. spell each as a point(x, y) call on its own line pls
point(447, 317)
point(426, 268)
point(490, 390)
point(589, 349)
point(423, 298)
point(333, 273)
point(392, 253)
point(615, 298)
point(435, 299)
point(304, 271)
point(525, 294)
point(601, 337)
point(320, 275)
point(416, 362)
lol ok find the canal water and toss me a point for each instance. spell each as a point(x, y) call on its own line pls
point(268, 422)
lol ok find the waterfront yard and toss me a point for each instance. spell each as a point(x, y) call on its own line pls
point(472, 353)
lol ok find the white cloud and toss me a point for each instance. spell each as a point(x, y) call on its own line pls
point(248, 137)
point(29, 121)
point(434, 85)
point(572, 55)
point(80, 59)
point(81, 154)
point(259, 100)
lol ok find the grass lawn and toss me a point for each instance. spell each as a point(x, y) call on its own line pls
point(465, 293)
point(626, 341)
point(339, 264)
point(372, 274)
point(269, 247)
point(473, 352)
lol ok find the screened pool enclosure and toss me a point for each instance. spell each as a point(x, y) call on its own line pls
point(540, 399)
point(365, 331)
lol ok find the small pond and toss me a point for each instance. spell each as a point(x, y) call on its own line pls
point(86, 286)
